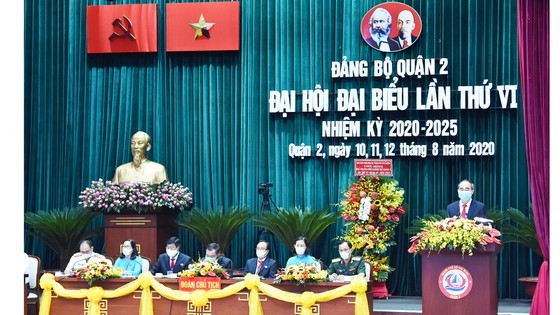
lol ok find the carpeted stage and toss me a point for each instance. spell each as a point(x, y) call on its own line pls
point(406, 305)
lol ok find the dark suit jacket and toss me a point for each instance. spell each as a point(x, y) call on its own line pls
point(226, 263)
point(393, 44)
point(163, 264)
point(477, 209)
point(396, 39)
point(268, 269)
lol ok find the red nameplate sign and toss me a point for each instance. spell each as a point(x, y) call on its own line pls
point(199, 283)
point(122, 28)
point(202, 26)
point(382, 167)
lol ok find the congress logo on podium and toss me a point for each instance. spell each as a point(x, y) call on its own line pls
point(455, 282)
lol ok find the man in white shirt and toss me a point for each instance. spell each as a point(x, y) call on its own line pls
point(86, 255)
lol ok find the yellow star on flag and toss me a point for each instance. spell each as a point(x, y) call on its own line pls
point(201, 28)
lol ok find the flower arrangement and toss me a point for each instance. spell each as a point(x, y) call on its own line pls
point(106, 196)
point(452, 233)
point(99, 270)
point(371, 208)
point(205, 268)
point(301, 274)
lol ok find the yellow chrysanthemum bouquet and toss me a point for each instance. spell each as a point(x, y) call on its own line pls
point(452, 233)
point(301, 274)
point(205, 268)
point(96, 271)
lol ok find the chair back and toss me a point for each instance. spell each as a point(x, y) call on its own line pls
point(368, 270)
point(145, 264)
point(33, 270)
point(109, 260)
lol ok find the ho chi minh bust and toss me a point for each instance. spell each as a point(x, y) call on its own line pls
point(140, 169)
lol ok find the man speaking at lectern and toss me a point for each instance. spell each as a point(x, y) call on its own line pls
point(466, 207)
point(140, 169)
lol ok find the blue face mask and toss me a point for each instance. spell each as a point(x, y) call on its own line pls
point(212, 259)
point(465, 195)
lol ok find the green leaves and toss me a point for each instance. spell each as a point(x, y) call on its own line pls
point(287, 225)
point(516, 227)
point(62, 230)
point(215, 226)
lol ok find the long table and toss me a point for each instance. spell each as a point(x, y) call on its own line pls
point(236, 304)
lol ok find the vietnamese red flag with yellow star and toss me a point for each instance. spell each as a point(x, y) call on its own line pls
point(122, 28)
point(202, 26)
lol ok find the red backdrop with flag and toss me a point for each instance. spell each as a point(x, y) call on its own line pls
point(122, 28)
point(202, 26)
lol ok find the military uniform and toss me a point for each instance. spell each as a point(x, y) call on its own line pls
point(355, 266)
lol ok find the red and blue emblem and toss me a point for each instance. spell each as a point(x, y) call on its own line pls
point(455, 282)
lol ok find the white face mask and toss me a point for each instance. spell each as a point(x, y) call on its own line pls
point(171, 253)
point(261, 254)
point(300, 251)
point(344, 255)
point(127, 251)
point(86, 255)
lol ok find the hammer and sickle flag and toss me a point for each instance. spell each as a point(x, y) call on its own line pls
point(122, 28)
point(202, 26)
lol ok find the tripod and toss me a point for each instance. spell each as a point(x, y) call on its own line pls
point(263, 233)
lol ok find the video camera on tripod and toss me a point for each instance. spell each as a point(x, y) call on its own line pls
point(264, 189)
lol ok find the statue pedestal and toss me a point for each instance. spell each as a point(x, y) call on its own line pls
point(150, 231)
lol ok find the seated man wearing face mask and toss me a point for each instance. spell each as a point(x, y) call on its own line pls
point(346, 265)
point(261, 266)
point(172, 260)
point(214, 253)
point(83, 257)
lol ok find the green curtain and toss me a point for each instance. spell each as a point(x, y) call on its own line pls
point(207, 113)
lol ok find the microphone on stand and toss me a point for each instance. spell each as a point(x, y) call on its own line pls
point(77, 261)
point(484, 221)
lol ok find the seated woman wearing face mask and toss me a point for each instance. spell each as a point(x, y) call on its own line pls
point(83, 257)
point(214, 253)
point(302, 254)
point(173, 260)
point(129, 260)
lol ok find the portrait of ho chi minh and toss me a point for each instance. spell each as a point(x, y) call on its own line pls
point(141, 169)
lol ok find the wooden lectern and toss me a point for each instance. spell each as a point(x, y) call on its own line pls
point(150, 231)
point(457, 284)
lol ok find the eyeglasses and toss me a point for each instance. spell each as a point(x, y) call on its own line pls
point(464, 189)
point(261, 248)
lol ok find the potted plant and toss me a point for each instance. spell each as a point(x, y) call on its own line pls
point(217, 226)
point(62, 230)
point(287, 225)
point(519, 228)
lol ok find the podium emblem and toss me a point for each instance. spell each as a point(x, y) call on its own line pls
point(455, 282)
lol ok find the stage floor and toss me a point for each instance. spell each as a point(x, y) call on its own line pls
point(409, 305)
